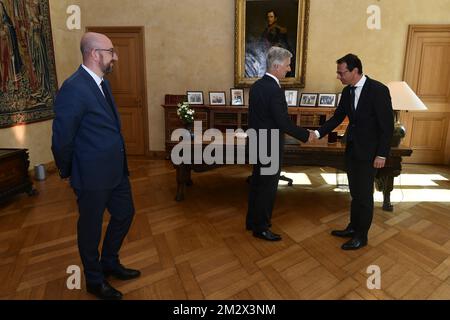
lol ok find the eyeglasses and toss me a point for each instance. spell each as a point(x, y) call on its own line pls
point(341, 73)
point(111, 50)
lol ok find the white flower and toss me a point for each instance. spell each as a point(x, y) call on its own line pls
point(184, 112)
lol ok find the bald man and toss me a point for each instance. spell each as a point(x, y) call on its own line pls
point(89, 149)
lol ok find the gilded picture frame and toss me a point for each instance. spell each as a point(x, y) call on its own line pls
point(255, 32)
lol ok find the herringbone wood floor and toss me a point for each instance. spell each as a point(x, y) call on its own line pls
point(199, 249)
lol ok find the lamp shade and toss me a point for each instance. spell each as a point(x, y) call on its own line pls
point(403, 97)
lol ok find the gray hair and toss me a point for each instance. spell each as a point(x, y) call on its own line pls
point(276, 56)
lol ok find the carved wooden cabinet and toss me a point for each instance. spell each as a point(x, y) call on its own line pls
point(14, 177)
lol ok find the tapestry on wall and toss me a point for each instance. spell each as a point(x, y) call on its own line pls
point(27, 64)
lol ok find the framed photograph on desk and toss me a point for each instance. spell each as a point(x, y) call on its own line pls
point(308, 100)
point(217, 98)
point(291, 97)
point(237, 97)
point(327, 100)
point(195, 97)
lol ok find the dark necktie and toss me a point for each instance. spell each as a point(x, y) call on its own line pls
point(352, 97)
point(108, 97)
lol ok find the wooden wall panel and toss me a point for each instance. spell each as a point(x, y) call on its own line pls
point(427, 71)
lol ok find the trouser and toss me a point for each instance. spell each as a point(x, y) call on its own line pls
point(361, 175)
point(261, 198)
point(91, 206)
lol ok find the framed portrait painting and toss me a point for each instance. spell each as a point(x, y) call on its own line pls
point(27, 66)
point(261, 24)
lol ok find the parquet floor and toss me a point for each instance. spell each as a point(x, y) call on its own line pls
point(199, 249)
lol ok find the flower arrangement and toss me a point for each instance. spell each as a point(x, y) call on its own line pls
point(185, 112)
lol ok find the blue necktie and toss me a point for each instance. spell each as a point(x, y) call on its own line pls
point(108, 97)
point(352, 97)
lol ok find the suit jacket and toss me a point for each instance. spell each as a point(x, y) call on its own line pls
point(268, 110)
point(87, 143)
point(371, 126)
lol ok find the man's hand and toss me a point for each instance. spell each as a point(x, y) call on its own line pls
point(379, 162)
point(312, 136)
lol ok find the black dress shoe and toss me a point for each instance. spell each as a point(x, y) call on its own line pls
point(267, 235)
point(104, 291)
point(346, 233)
point(122, 273)
point(354, 244)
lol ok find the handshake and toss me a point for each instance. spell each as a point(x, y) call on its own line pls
point(312, 136)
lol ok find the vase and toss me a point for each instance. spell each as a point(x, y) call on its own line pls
point(398, 134)
point(190, 127)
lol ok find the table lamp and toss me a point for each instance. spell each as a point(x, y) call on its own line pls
point(403, 98)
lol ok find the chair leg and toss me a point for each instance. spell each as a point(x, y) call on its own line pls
point(289, 180)
point(282, 177)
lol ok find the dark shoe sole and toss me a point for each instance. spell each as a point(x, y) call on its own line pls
point(267, 239)
point(353, 248)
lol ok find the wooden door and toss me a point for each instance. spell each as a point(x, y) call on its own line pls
point(128, 85)
point(427, 71)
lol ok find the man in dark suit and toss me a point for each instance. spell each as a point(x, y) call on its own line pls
point(89, 148)
point(268, 112)
point(367, 104)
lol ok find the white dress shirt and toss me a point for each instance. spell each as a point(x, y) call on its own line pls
point(275, 78)
point(96, 78)
point(359, 85)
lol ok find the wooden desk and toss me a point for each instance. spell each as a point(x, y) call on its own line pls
point(319, 154)
point(234, 117)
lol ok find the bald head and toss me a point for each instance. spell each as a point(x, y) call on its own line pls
point(91, 41)
point(98, 53)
